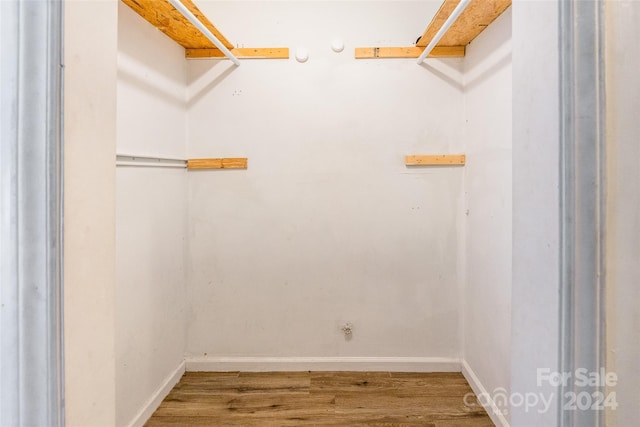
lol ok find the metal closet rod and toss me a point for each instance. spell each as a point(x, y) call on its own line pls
point(150, 165)
point(204, 30)
point(135, 160)
point(122, 156)
point(445, 27)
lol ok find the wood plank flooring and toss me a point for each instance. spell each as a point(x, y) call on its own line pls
point(320, 399)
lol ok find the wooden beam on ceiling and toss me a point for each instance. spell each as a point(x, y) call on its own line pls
point(242, 52)
point(162, 15)
point(475, 18)
point(408, 52)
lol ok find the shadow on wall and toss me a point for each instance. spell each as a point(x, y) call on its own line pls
point(206, 76)
point(432, 69)
point(501, 63)
point(161, 91)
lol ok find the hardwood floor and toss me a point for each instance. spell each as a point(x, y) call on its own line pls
point(320, 398)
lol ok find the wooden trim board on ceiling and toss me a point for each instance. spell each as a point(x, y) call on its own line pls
point(162, 15)
point(408, 52)
point(473, 20)
point(435, 160)
point(225, 163)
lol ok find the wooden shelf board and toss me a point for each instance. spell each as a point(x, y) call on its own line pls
point(475, 18)
point(224, 163)
point(435, 160)
point(408, 52)
point(162, 15)
point(244, 52)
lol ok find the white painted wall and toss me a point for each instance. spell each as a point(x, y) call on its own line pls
point(89, 218)
point(151, 216)
point(487, 290)
point(535, 288)
point(623, 216)
point(359, 237)
point(327, 225)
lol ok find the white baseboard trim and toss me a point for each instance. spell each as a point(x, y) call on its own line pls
point(272, 364)
point(490, 406)
point(156, 399)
